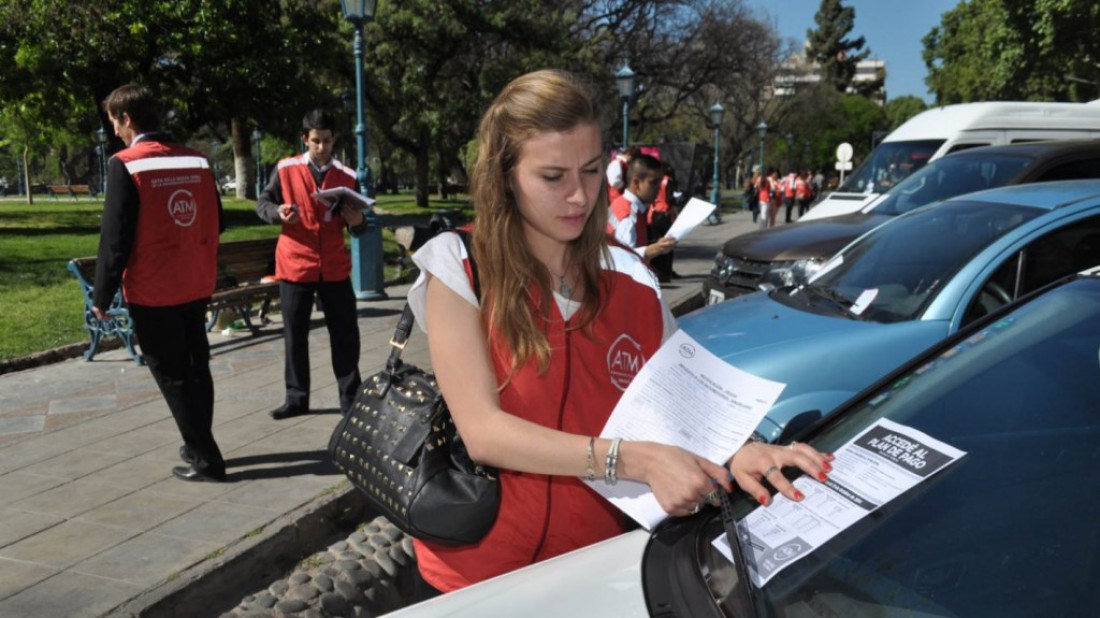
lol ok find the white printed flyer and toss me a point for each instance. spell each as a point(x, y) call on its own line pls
point(687, 397)
point(873, 468)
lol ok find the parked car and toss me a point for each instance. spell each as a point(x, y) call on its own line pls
point(1009, 530)
point(941, 131)
point(899, 289)
point(790, 254)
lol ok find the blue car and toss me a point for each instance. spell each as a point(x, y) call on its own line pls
point(899, 289)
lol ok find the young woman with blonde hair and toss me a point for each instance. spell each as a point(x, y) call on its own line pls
point(532, 369)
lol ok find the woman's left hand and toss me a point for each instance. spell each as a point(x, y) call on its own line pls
point(757, 461)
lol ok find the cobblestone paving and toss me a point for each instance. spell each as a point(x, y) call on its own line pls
point(367, 574)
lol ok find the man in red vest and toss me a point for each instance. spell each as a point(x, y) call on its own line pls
point(159, 241)
point(626, 219)
point(312, 258)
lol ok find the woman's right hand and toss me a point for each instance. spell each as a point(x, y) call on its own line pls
point(680, 480)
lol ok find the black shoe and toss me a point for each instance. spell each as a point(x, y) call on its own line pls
point(663, 278)
point(675, 275)
point(285, 411)
point(189, 473)
point(186, 455)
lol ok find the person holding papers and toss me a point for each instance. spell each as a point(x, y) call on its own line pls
point(532, 365)
point(626, 220)
point(312, 258)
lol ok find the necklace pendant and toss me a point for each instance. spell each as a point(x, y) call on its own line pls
point(564, 289)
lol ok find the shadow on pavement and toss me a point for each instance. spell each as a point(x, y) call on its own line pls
point(300, 463)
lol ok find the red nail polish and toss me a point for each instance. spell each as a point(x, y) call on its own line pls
point(830, 456)
point(798, 495)
point(763, 499)
point(827, 467)
point(821, 476)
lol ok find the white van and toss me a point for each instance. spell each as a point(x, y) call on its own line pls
point(936, 132)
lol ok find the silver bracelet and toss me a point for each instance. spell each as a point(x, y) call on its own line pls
point(611, 463)
point(590, 460)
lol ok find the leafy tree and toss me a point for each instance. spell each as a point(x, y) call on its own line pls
point(900, 109)
point(999, 50)
point(829, 46)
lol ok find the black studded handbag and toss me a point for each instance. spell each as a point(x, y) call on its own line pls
point(398, 444)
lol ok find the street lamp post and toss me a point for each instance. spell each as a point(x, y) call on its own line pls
point(20, 183)
point(366, 250)
point(624, 81)
point(762, 128)
point(790, 146)
point(101, 140)
point(347, 97)
point(256, 138)
point(214, 164)
point(716, 113)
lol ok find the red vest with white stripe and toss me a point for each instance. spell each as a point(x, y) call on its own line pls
point(175, 252)
point(621, 210)
point(312, 249)
point(544, 516)
point(661, 204)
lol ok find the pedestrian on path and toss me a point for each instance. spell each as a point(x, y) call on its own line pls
point(312, 258)
point(159, 240)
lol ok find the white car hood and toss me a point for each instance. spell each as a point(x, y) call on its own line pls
point(603, 580)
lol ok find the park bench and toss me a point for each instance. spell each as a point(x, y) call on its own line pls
point(69, 190)
point(244, 280)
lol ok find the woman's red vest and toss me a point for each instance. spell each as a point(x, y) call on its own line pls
point(175, 252)
point(312, 249)
point(544, 516)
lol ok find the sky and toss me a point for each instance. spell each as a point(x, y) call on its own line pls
point(893, 30)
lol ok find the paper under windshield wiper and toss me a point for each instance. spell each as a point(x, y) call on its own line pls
point(841, 301)
point(739, 540)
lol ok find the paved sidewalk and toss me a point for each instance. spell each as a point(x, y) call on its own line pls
point(92, 523)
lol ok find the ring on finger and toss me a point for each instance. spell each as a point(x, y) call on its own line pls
point(697, 508)
point(712, 498)
point(791, 446)
point(770, 470)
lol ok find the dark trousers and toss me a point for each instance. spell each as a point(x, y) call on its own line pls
point(338, 305)
point(662, 264)
point(173, 341)
point(789, 203)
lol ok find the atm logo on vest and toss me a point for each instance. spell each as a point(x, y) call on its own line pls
point(183, 208)
point(624, 360)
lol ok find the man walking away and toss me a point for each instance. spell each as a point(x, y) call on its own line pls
point(159, 241)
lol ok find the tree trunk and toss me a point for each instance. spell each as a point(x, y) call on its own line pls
point(244, 164)
point(422, 177)
point(27, 174)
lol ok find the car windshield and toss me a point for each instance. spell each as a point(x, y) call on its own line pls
point(951, 176)
point(890, 274)
point(889, 163)
point(1009, 529)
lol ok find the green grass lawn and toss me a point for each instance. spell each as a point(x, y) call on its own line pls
point(40, 301)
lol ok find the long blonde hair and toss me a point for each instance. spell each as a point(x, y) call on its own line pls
point(540, 102)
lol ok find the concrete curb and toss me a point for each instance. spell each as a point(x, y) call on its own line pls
point(215, 586)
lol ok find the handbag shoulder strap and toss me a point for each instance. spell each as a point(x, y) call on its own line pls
point(405, 323)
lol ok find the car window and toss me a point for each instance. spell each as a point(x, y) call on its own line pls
point(1063, 252)
point(952, 176)
point(962, 147)
point(1010, 529)
point(888, 164)
point(902, 265)
point(1085, 168)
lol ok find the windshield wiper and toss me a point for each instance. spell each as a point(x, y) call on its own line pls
point(841, 301)
point(738, 539)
